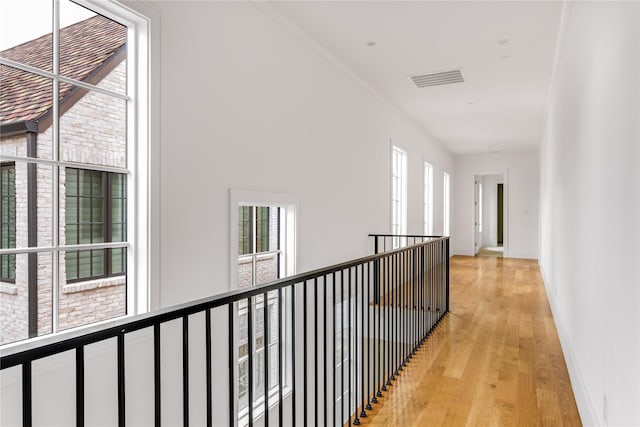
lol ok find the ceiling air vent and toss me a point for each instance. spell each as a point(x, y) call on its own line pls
point(437, 79)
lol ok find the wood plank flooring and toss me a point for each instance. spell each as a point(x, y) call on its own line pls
point(494, 360)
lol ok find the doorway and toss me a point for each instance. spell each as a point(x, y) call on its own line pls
point(490, 220)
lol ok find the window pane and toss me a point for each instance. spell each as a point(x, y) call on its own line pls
point(266, 268)
point(83, 303)
point(259, 325)
point(89, 41)
point(245, 225)
point(245, 272)
point(273, 369)
point(116, 233)
point(85, 233)
point(97, 233)
point(262, 229)
point(15, 298)
point(242, 351)
point(97, 210)
point(118, 261)
point(84, 264)
point(33, 45)
point(117, 185)
point(93, 131)
point(242, 385)
point(243, 327)
point(26, 97)
point(71, 210)
point(71, 181)
point(116, 210)
point(97, 263)
point(274, 329)
point(71, 265)
point(258, 374)
point(7, 220)
point(16, 207)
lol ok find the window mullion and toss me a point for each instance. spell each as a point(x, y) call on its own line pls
point(55, 139)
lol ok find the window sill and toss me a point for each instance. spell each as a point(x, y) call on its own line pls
point(8, 288)
point(93, 284)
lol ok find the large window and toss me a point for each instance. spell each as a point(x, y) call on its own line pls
point(260, 260)
point(446, 202)
point(7, 220)
point(74, 176)
point(398, 194)
point(428, 199)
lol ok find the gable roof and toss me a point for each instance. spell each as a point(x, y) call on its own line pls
point(89, 49)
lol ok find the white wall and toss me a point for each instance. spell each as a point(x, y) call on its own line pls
point(489, 236)
point(590, 208)
point(248, 103)
point(521, 199)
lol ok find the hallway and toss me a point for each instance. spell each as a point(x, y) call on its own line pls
point(494, 360)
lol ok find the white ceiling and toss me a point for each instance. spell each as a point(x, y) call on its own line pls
point(498, 108)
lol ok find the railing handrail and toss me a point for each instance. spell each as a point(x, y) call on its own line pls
point(408, 235)
point(19, 353)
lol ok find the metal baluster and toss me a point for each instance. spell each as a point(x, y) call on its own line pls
point(333, 366)
point(265, 346)
point(80, 386)
point(356, 420)
point(342, 300)
point(207, 343)
point(370, 353)
point(304, 353)
point(360, 279)
point(156, 375)
point(27, 385)
point(387, 286)
point(315, 334)
point(293, 354)
point(280, 367)
point(324, 348)
point(250, 353)
point(231, 360)
point(121, 400)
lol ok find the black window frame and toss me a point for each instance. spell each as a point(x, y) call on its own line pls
point(107, 198)
point(5, 199)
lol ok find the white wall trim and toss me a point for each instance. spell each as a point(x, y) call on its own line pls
point(148, 45)
point(586, 408)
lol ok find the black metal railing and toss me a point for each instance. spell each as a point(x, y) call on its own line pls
point(344, 334)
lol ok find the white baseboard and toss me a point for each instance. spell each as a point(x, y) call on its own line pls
point(586, 408)
point(520, 255)
point(463, 252)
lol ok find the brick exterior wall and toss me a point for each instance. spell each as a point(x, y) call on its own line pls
point(92, 131)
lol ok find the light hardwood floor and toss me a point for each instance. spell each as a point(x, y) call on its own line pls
point(494, 360)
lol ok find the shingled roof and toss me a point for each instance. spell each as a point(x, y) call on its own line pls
point(89, 49)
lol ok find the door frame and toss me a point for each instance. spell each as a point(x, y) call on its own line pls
point(505, 208)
